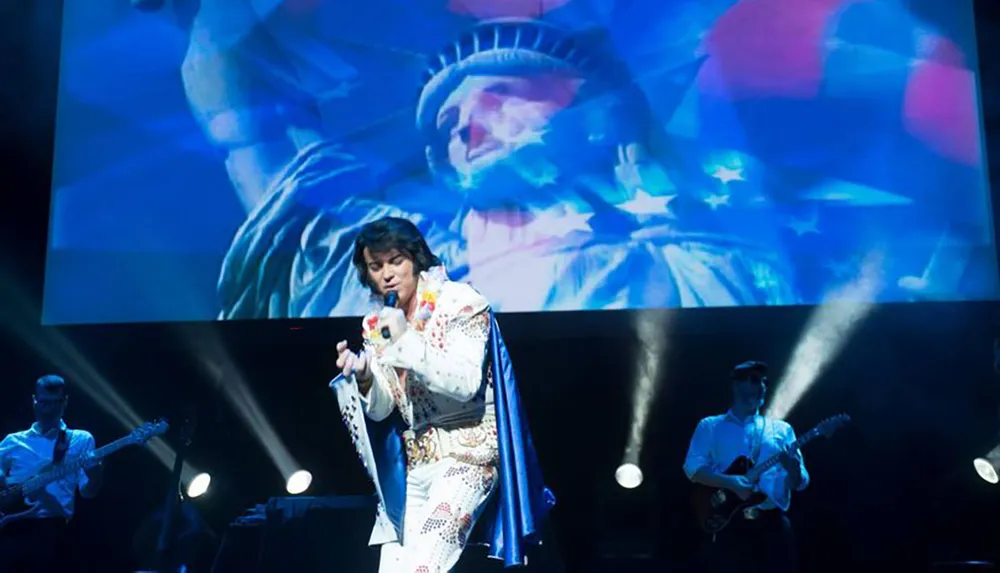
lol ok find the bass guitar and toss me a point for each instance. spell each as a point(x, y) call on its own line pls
point(13, 505)
point(715, 507)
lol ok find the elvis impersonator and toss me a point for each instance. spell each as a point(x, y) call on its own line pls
point(445, 440)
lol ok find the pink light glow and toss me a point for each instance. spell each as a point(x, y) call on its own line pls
point(940, 107)
point(768, 48)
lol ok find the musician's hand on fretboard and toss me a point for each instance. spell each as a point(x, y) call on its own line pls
point(88, 461)
point(790, 458)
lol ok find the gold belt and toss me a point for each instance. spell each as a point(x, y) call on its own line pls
point(475, 443)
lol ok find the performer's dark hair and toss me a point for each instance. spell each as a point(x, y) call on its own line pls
point(390, 233)
point(51, 383)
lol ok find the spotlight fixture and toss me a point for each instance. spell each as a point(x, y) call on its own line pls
point(298, 482)
point(629, 476)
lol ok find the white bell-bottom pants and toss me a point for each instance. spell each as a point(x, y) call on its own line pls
point(443, 501)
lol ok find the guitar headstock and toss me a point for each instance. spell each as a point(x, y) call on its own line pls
point(147, 431)
point(827, 427)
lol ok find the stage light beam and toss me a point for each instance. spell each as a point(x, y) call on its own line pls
point(229, 381)
point(828, 330)
point(80, 373)
point(651, 331)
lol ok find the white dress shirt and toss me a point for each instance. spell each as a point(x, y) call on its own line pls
point(24, 454)
point(719, 440)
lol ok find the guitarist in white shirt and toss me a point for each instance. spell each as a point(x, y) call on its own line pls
point(35, 542)
point(759, 539)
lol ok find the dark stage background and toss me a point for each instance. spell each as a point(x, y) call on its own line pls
point(895, 489)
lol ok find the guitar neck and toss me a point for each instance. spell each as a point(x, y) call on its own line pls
point(70, 467)
point(56, 472)
point(759, 469)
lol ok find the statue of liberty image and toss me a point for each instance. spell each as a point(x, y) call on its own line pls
point(535, 166)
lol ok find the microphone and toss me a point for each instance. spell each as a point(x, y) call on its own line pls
point(391, 299)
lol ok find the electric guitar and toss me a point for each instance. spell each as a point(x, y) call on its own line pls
point(13, 506)
point(715, 507)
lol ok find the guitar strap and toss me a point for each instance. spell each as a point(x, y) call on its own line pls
point(61, 447)
point(760, 424)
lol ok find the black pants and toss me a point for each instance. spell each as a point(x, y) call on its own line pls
point(33, 546)
point(762, 545)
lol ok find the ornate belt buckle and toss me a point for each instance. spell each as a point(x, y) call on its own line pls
point(421, 448)
point(751, 513)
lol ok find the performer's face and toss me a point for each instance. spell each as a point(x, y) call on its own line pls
point(748, 396)
point(392, 270)
point(486, 119)
point(49, 407)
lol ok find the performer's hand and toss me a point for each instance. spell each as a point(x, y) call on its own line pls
point(42, 500)
point(741, 486)
point(92, 466)
point(351, 363)
point(393, 318)
point(789, 459)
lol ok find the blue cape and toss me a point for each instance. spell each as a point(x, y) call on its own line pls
point(513, 517)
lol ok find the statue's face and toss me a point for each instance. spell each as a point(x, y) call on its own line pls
point(488, 120)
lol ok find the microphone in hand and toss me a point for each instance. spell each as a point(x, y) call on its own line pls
point(391, 300)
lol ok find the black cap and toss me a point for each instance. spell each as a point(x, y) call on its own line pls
point(752, 370)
